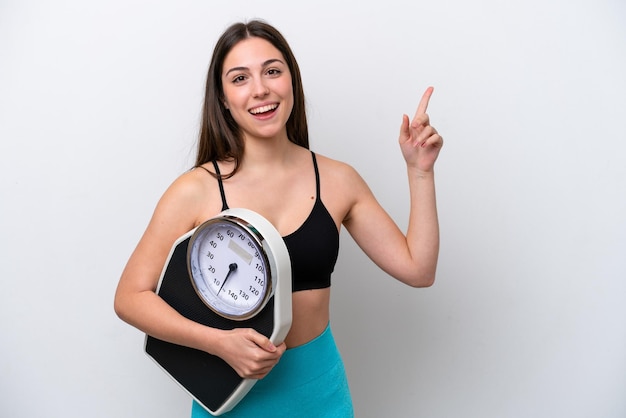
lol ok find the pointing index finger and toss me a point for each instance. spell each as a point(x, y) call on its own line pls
point(421, 108)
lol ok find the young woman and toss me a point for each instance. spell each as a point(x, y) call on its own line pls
point(253, 153)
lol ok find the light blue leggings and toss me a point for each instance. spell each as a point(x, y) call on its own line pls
point(308, 381)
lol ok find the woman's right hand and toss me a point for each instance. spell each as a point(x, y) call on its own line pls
point(251, 354)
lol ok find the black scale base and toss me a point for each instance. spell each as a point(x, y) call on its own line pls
point(209, 379)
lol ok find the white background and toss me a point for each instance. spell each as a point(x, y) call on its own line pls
point(99, 106)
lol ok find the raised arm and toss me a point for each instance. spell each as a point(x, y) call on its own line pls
point(411, 257)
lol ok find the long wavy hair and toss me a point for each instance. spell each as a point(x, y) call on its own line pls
point(220, 137)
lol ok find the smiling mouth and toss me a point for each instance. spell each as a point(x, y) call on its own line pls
point(263, 109)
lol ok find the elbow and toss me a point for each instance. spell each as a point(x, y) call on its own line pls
point(422, 281)
point(131, 305)
point(120, 307)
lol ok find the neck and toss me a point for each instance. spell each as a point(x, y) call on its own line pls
point(263, 152)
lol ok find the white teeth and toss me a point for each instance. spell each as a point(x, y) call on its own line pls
point(263, 109)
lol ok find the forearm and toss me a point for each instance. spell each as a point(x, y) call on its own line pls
point(423, 229)
point(149, 313)
point(420, 144)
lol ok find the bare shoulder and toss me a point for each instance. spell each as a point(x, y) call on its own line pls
point(342, 187)
point(192, 197)
point(185, 189)
point(339, 174)
point(332, 167)
point(188, 184)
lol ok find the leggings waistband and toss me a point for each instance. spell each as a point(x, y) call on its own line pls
point(303, 363)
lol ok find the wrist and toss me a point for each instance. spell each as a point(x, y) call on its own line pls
point(207, 339)
point(418, 173)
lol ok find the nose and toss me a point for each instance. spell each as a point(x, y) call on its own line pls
point(260, 88)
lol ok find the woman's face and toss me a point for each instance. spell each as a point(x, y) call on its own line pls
point(257, 89)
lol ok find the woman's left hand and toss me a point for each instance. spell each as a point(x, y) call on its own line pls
point(419, 141)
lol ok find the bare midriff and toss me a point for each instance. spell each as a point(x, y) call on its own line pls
point(311, 313)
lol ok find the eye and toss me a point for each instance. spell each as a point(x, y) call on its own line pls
point(239, 79)
point(273, 72)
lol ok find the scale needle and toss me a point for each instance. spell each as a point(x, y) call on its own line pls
point(232, 267)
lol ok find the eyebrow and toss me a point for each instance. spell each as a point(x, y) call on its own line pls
point(265, 64)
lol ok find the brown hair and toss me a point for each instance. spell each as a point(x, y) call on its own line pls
point(220, 137)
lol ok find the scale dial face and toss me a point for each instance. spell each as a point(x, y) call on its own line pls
point(229, 268)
